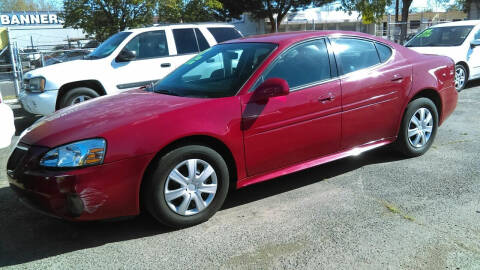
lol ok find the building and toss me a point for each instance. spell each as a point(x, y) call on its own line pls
point(418, 21)
point(40, 30)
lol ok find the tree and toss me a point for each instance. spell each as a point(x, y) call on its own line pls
point(177, 11)
point(371, 10)
point(262, 9)
point(27, 5)
point(405, 9)
point(103, 18)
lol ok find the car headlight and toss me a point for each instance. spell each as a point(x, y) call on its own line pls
point(78, 154)
point(36, 84)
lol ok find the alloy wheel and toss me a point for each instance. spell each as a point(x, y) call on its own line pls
point(190, 187)
point(79, 99)
point(460, 78)
point(420, 128)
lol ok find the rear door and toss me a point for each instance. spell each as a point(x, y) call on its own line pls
point(301, 126)
point(375, 80)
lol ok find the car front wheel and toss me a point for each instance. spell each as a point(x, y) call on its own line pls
point(78, 95)
point(187, 186)
point(460, 77)
point(419, 127)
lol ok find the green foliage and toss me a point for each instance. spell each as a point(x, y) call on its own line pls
point(27, 5)
point(177, 11)
point(103, 18)
point(371, 10)
point(267, 8)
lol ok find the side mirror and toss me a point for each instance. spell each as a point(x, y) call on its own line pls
point(126, 56)
point(475, 43)
point(272, 87)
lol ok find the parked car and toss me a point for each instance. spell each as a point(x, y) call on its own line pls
point(457, 40)
point(279, 104)
point(126, 60)
point(7, 124)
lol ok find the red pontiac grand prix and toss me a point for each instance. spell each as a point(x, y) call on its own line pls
point(239, 113)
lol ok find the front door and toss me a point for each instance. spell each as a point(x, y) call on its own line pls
point(152, 62)
point(298, 127)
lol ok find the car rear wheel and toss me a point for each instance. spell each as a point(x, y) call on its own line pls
point(460, 77)
point(78, 95)
point(419, 127)
point(187, 186)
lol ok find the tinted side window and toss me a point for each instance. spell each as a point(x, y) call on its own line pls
point(301, 65)
point(149, 44)
point(202, 42)
point(185, 41)
point(384, 52)
point(222, 34)
point(355, 54)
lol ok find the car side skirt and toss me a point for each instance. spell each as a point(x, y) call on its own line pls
point(314, 162)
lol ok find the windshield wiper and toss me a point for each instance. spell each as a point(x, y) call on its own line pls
point(165, 92)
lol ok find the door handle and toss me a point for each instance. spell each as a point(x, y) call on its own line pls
point(165, 65)
point(397, 77)
point(326, 98)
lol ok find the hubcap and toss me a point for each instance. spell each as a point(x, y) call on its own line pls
point(459, 78)
point(190, 187)
point(79, 99)
point(420, 128)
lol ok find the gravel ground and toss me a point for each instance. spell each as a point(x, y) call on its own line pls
point(375, 211)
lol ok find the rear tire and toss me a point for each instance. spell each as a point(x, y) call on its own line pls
point(178, 200)
point(77, 95)
point(419, 128)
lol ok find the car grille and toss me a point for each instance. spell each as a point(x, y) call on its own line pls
point(17, 157)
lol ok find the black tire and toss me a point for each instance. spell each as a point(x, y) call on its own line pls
point(462, 67)
point(403, 143)
point(153, 189)
point(73, 94)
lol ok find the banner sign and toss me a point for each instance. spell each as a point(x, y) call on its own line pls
point(29, 18)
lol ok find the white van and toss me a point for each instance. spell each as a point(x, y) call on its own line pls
point(127, 60)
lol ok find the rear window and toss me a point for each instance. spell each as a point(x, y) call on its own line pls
point(222, 34)
point(202, 42)
point(185, 41)
point(383, 51)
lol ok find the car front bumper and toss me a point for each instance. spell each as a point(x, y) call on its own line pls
point(99, 192)
point(39, 103)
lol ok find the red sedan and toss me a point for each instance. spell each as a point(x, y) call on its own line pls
point(241, 112)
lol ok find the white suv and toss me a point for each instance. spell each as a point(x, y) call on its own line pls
point(128, 59)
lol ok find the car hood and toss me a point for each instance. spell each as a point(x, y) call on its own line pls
point(103, 116)
point(52, 71)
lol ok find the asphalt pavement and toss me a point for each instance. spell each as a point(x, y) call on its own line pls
point(374, 211)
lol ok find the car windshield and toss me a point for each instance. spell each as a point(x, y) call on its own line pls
point(108, 46)
point(217, 72)
point(441, 36)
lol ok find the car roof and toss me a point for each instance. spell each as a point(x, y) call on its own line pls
point(177, 25)
point(287, 38)
point(459, 23)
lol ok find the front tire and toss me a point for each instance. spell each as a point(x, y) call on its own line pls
point(187, 186)
point(419, 127)
point(77, 95)
point(461, 77)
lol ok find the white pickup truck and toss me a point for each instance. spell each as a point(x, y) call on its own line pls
point(126, 60)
